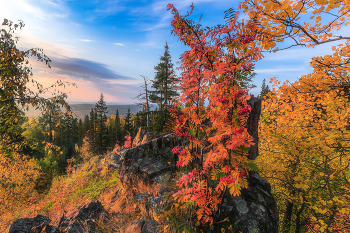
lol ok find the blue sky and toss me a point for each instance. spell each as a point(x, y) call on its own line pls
point(104, 46)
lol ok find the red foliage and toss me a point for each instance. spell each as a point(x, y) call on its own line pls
point(209, 72)
point(127, 143)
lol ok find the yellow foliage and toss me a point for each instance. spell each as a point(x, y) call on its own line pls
point(304, 139)
point(17, 181)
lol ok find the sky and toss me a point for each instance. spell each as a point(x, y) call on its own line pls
point(104, 46)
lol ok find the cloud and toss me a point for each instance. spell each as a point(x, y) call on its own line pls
point(120, 44)
point(105, 9)
point(35, 10)
point(88, 70)
point(85, 40)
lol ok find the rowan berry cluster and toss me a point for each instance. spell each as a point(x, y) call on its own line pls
point(222, 100)
point(247, 39)
point(244, 110)
point(247, 67)
point(240, 93)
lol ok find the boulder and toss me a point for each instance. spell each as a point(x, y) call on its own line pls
point(148, 162)
point(142, 226)
point(78, 220)
point(254, 210)
point(24, 225)
point(81, 218)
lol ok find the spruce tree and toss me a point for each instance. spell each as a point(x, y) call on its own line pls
point(165, 75)
point(164, 90)
point(86, 124)
point(264, 90)
point(101, 129)
point(81, 132)
point(128, 124)
point(92, 130)
point(118, 127)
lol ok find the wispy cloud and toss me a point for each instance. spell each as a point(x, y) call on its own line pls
point(120, 44)
point(88, 70)
point(85, 40)
point(105, 9)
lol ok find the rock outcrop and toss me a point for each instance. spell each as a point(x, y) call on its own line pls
point(78, 220)
point(142, 136)
point(148, 162)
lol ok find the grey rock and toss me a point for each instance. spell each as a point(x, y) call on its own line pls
point(161, 191)
point(150, 227)
point(113, 165)
point(24, 225)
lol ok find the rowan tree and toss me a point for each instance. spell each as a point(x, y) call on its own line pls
point(210, 71)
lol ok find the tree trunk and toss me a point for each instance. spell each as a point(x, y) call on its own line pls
point(287, 217)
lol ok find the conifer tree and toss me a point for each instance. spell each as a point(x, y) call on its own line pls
point(264, 90)
point(81, 132)
point(92, 130)
point(51, 118)
point(128, 123)
point(165, 75)
point(101, 129)
point(165, 90)
point(118, 127)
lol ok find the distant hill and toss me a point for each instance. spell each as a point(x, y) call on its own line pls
point(80, 110)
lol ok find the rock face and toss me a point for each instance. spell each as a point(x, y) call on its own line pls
point(142, 136)
point(149, 162)
point(78, 220)
point(255, 208)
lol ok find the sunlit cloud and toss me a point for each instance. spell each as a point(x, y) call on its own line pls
point(85, 40)
point(88, 70)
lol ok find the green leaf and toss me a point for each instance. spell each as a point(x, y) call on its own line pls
point(251, 165)
point(192, 133)
point(245, 50)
